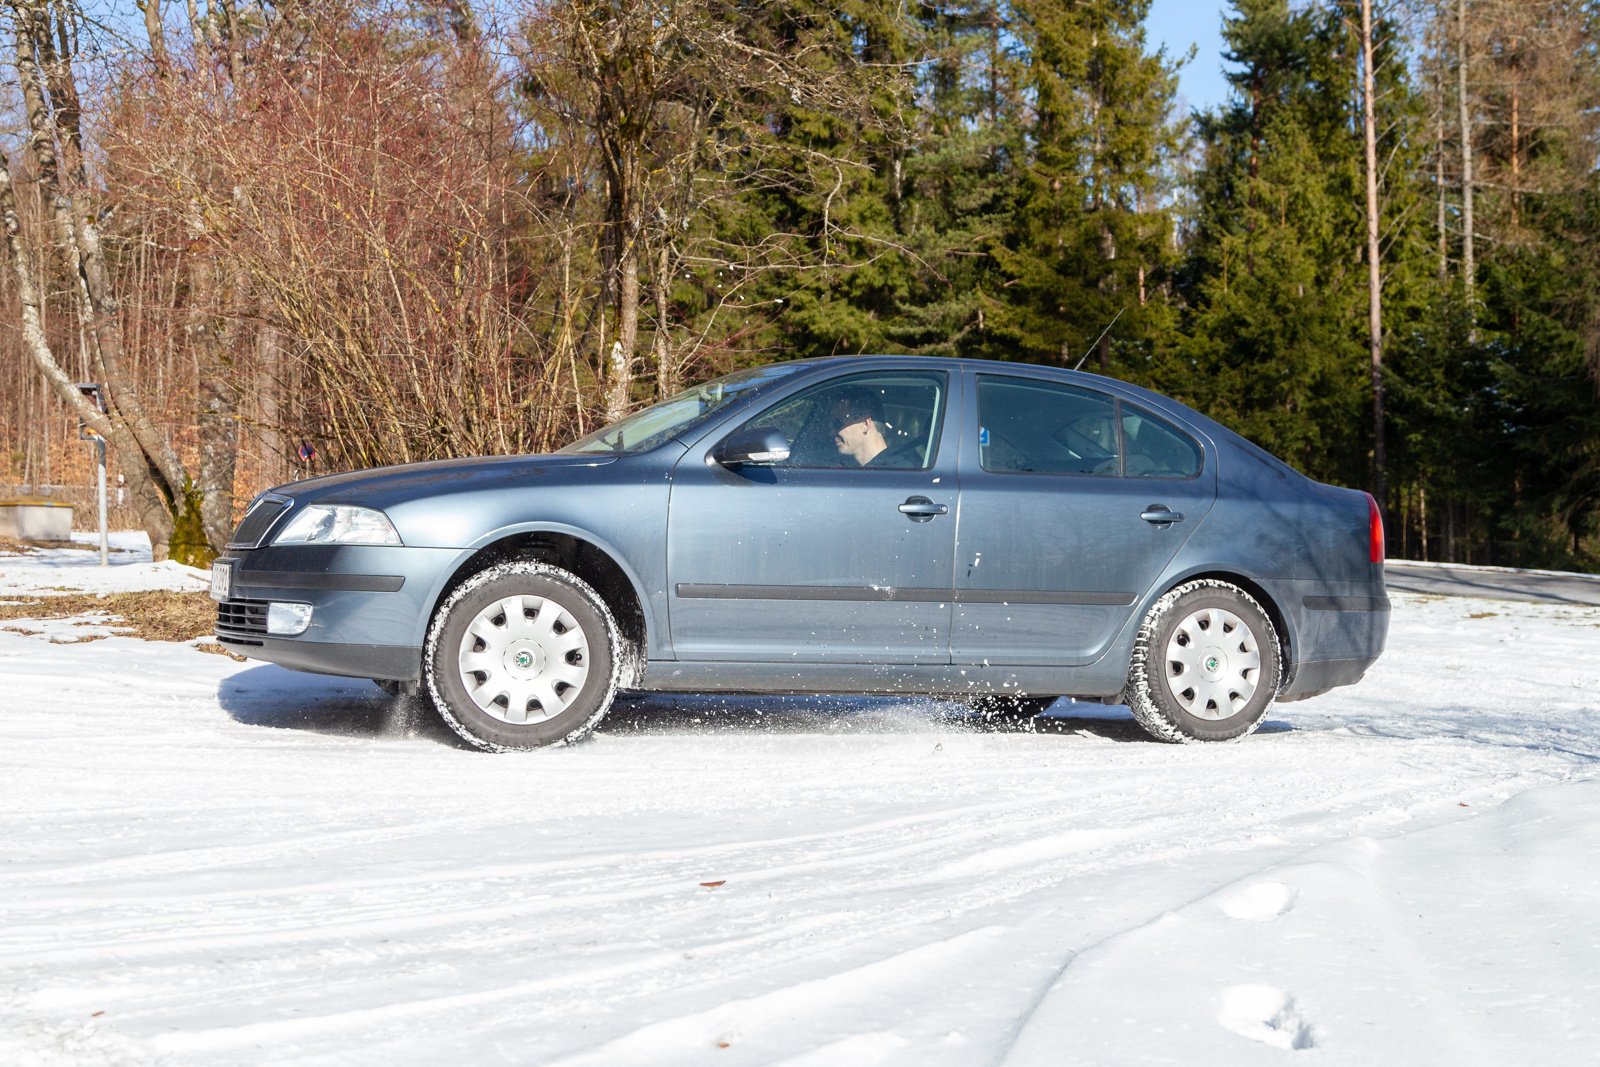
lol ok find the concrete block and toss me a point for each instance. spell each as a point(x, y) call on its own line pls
point(36, 520)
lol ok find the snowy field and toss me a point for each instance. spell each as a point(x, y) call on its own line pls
point(211, 862)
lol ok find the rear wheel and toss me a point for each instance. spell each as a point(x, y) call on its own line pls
point(1206, 665)
point(520, 656)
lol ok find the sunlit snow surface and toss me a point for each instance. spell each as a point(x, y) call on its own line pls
point(208, 862)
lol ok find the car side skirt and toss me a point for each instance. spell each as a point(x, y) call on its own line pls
point(684, 676)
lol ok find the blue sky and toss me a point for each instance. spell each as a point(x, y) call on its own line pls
point(1180, 23)
point(1175, 23)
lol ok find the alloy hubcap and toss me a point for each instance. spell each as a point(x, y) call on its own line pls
point(1213, 663)
point(523, 659)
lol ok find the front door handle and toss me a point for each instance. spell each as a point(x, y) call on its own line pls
point(1161, 515)
point(921, 509)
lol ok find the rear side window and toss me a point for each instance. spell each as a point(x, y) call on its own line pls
point(1033, 427)
point(884, 420)
point(1154, 448)
point(1028, 427)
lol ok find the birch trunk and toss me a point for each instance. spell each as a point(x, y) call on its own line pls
point(1516, 147)
point(1442, 232)
point(1374, 272)
point(209, 333)
point(268, 390)
point(151, 9)
point(210, 323)
point(1469, 271)
point(623, 228)
point(660, 286)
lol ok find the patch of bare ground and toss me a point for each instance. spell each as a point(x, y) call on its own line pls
point(153, 615)
point(10, 546)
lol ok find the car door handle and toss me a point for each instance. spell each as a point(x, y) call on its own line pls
point(921, 509)
point(1161, 515)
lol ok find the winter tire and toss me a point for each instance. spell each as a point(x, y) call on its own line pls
point(521, 656)
point(1206, 665)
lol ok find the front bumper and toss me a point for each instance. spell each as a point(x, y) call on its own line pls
point(370, 606)
point(385, 662)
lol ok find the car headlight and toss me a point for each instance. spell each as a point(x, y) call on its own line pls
point(338, 524)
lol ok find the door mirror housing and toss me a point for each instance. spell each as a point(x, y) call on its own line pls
point(756, 448)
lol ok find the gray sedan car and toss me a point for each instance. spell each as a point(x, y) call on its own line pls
point(997, 532)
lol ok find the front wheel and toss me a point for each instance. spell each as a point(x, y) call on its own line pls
point(1206, 664)
point(520, 656)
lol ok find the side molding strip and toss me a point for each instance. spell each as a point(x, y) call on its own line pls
point(873, 594)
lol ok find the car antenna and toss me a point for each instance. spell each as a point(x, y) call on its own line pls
point(1102, 336)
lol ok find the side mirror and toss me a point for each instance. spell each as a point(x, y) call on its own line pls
point(753, 447)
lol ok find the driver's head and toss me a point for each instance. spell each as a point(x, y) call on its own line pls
point(857, 420)
point(854, 404)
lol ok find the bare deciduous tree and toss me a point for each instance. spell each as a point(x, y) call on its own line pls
point(165, 497)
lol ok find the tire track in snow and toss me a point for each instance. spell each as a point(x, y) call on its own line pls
point(916, 835)
point(882, 916)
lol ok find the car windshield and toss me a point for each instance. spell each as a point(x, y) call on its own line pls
point(657, 424)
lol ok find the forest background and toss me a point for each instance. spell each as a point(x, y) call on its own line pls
point(295, 237)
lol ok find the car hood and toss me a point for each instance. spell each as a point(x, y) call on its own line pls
point(384, 487)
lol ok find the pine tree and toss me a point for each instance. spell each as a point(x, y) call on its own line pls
point(855, 273)
point(1087, 240)
point(1500, 431)
point(958, 181)
point(1277, 332)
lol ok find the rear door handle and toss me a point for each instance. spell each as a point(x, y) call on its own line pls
point(1161, 515)
point(921, 509)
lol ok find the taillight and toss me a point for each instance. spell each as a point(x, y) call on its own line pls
point(1374, 530)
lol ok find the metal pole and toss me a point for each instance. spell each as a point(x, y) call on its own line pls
point(100, 462)
point(92, 393)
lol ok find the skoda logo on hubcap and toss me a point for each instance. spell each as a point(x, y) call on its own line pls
point(1211, 663)
point(524, 660)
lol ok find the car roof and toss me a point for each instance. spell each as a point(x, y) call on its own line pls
point(992, 366)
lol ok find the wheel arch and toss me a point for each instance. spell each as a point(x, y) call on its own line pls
point(596, 565)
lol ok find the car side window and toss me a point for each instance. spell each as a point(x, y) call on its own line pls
point(1034, 427)
point(885, 420)
point(1154, 448)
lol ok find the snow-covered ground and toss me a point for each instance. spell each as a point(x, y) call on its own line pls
point(210, 862)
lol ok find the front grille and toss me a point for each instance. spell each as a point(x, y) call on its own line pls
point(258, 520)
point(242, 620)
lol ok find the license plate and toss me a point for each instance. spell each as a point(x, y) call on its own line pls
point(221, 580)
